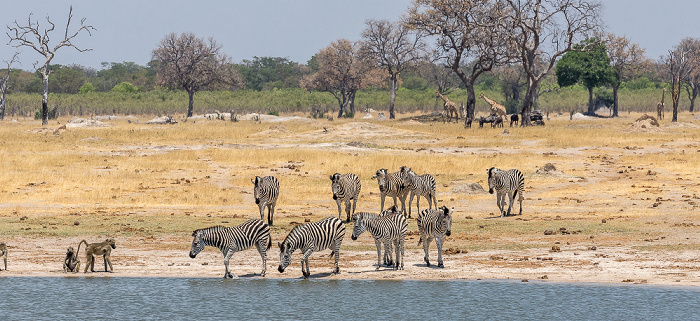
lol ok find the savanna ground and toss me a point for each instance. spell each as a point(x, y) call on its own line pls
point(621, 206)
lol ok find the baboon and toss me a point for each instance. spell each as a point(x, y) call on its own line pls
point(96, 249)
point(3, 253)
point(72, 261)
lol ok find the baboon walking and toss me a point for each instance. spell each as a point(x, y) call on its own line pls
point(3, 253)
point(97, 249)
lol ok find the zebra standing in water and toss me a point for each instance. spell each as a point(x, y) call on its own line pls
point(391, 184)
point(266, 191)
point(509, 182)
point(327, 233)
point(234, 239)
point(434, 224)
point(423, 185)
point(345, 188)
point(385, 229)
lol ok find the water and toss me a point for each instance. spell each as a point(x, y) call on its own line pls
point(114, 298)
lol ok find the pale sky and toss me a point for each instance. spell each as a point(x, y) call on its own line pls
point(129, 30)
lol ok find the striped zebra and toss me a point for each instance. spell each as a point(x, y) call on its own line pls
point(434, 224)
point(511, 182)
point(423, 185)
point(266, 191)
point(386, 229)
point(391, 184)
point(234, 239)
point(345, 188)
point(327, 233)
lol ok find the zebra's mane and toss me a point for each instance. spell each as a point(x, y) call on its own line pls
point(209, 229)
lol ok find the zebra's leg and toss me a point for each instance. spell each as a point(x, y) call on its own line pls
point(227, 273)
point(410, 201)
point(520, 200)
point(402, 198)
point(305, 259)
point(354, 203)
point(379, 254)
point(263, 254)
point(511, 197)
point(387, 254)
point(347, 210)
point(271, 213)
point(337, 255)
point(261, 206)
point(498, 202)
point(438, 242)
point(426, 245)
point(340, 209)
point(383, 196)
point(402, 243)
point(399, 259)
point(417, 203)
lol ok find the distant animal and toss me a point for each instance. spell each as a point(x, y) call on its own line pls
point(385, 229)
point(468, 122)
point(449, 106)
point(345, 188)
point(230, 240)
point(434, 224)
point(72, 261)
point(423, 185)
point(496, 108)
point(3, 253)
point(266, 190)
point(509, 182)
point(391, 184)
point(327, 233)
point(514, 119)
point(490, 119)
point(96, 249)
point(660, 106)
point(497, 122)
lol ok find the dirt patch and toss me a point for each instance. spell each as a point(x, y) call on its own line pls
point(468, 188)
point(82, 123)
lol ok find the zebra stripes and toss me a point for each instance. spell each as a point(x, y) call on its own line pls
point(266, 191)
point(391, 184)
point(423, 185)
point(386, 229)
point(345, 188)
point(234, 239)
point(434, 224)
point(511, 182)
point(327, 233)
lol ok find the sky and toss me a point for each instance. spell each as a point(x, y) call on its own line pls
point(129, 30)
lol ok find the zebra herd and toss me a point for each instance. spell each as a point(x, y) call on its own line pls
point(388, 228)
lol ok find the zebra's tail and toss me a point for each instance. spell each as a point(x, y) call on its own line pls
point(420, 240)
point(269, 243)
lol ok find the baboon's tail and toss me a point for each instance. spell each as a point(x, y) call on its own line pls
point(79, 244)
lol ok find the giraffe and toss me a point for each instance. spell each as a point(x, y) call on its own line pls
point(450, 107)
point(660, 106)
point(496, 108)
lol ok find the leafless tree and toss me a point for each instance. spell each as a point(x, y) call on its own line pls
point(21, 36)
point(395, 48)
point(342, 71)
point(626, 59)
point(3, 84)
point(692, 82)
point(469, 36)
point(680, 62)
point(193, 64)
point(544, 30)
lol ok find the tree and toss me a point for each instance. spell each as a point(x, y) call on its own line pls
point(20, 35)
point(395, 49)
point(544, 30)
point(469, 35)
point(680, 62)
point(264, 73)
point(3, 84)
point(589, 67)
point(192, 64)
point(342, 71)
point(626, 59)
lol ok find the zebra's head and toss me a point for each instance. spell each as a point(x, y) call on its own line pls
point(492, 178)
point(445, 219)
point(197, 243)
point(256, 190)
point(407, 176)
point(336, 187)
point(381, 179)
point(359, 225)
point(285, 256)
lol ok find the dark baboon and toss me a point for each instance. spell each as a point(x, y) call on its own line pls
point(97, 249)
point(72, 261)
point(3, 253)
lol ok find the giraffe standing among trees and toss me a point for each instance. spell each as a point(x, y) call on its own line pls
point(660, 106)
point(496, 108)
point(450, 107)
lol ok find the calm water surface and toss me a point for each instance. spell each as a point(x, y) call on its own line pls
point(114, 298)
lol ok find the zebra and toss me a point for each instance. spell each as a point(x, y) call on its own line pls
point(386, 228)
point(234, 239)
point(327, 233)
point(345, 188)
point(266, 191)
point(434, 223)
point(511, 182)
point(423, 185)
point(391, 184)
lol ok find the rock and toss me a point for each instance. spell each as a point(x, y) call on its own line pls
point(468, 188)
point(162, 120)
point(547, 169)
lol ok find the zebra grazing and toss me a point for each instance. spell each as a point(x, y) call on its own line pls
point(234, 239)
point(391, 184)
point(387, 229)
point(423, 185)
point(511, 182)
point(266, 191)
point(327, 233)
point(434, 223)
point(345, 188)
